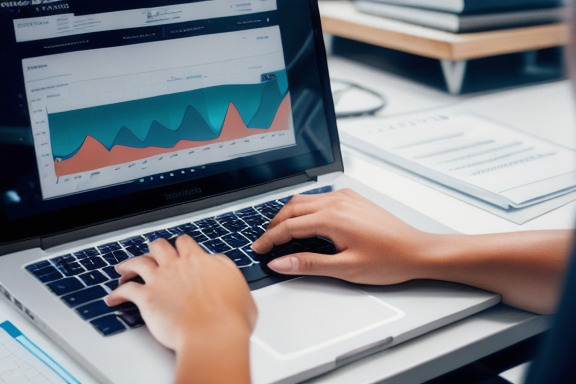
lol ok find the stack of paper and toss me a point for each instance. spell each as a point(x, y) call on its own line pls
point(471, 154)
point(22, 362)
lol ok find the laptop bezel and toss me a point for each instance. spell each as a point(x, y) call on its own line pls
point(41, 231)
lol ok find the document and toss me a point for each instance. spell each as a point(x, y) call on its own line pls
point(22, 362)
point(471, 154)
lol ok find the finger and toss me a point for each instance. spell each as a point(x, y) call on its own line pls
point(312, 225)
point(162, 251)
point(143, 266)
point(280, 234)
point(227, 263)
point(307, 263)
point(185, 244)
point(129, 292)
point(299, 205)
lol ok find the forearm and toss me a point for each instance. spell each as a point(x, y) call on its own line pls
point(220, 356)
point(526, 268)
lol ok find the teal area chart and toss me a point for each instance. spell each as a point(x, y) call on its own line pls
point(164, 121)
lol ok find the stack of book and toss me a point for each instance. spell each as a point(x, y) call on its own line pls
point(461, 16)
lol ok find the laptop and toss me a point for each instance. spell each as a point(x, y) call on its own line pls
point(126, 121)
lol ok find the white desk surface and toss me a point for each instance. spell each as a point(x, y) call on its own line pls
point(544, 110)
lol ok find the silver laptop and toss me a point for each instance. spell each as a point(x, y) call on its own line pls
point(119, 125)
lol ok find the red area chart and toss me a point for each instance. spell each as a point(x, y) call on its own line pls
point(93, 155)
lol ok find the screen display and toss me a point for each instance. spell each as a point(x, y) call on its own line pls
point(112, 111)
point(107, 116)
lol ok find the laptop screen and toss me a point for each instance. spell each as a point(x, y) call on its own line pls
point(108, 110)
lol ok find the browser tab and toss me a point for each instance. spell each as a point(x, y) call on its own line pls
point(69, 21)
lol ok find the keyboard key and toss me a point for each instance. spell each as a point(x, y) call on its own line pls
point(185, 228)
point(68, 265)
point(238, 257)
point(235, 240)
point(136, 240)
point(111, 272)
point(252, 218)
point(231, 222)
point(92, 263)
point(135, 246)
point(86, 253)
point(206, 223)
point(115, 257)
point(108, 325)
point(215, 246)
point(94, 309)
point(177, 231)
point(253, 273)
point(161, 234)
point(93, 278)
point(269, 209)
point(250, 254)
point(215, 232)
point(246, 212)
point(44, 271)
point(112, 284)
point(110, 247)
point(85, 295)
point(198, 236)
point(252, 233)
point(66, 285)
point(131, 316)
point(138, 249)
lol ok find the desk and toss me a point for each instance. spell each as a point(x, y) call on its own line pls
point(468, 340)
point(543, 110)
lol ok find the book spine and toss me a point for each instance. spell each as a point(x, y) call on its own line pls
point(485, 6)
point(463, 7)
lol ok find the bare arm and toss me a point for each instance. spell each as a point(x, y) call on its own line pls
point(526, 268)
point(375, 247)
point(196, 304)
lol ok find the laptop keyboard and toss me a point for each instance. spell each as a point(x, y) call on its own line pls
point(82, 279)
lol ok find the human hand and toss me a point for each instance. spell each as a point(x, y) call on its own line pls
point(186, 293)
point(374, 246)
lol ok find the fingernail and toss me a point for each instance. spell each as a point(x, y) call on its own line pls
point(286, 265)
point(256, 246)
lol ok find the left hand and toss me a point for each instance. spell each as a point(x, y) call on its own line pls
point(186, 292)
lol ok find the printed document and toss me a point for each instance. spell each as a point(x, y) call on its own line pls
point(471, 154)
point(23, 362)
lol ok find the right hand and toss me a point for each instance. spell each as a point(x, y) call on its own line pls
point(374, 246)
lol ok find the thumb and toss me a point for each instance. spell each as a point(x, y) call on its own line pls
point(304, 264)
point(287, 265)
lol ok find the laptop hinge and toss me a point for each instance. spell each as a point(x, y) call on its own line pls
point(20, 245)
point(173, 211)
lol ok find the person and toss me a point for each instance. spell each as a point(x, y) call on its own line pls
point(207, 317)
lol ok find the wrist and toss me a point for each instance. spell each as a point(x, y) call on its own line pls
point(438, 255)
point(215, 354)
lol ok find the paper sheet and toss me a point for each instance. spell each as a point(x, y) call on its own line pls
point(471, 154)
point(22, 362)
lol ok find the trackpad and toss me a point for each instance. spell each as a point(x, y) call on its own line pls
point(305, 314)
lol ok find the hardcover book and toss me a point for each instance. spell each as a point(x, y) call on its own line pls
point(460, 23)
point(473, 6)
